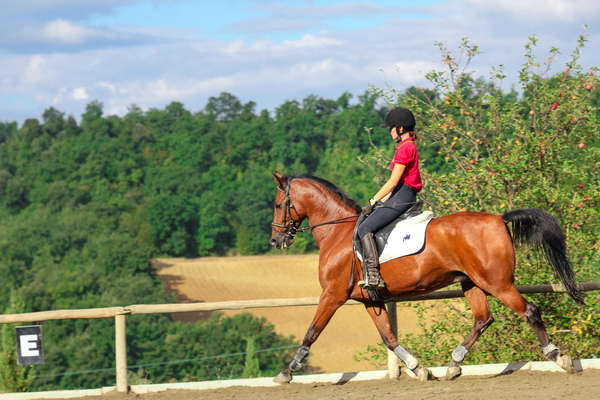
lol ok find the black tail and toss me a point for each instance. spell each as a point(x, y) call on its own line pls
point(541, 230)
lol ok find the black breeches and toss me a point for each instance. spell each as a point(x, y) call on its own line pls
point(403, 197)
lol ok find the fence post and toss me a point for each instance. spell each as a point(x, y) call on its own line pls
point(121, 353)
point(392, 359)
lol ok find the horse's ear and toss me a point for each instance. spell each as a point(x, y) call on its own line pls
point(278, 178)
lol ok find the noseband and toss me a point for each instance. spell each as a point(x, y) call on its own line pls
point(290, 225)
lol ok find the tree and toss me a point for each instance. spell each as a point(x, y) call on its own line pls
point(226, 107)
point(13, 377)
point(504, 153)
point(251, 368)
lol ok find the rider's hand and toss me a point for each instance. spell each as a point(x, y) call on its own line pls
point(369, 207)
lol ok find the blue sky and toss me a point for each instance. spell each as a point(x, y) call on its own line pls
point(67, 53)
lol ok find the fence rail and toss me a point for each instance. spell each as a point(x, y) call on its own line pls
point(120, 313)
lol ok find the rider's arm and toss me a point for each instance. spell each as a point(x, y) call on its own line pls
point(391, 183)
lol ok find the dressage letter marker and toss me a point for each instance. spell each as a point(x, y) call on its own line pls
point(29, 345)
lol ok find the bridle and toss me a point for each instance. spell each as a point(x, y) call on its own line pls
point(290, 225)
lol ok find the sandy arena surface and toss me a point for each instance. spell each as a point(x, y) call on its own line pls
point(286, 276)
point(519, 385)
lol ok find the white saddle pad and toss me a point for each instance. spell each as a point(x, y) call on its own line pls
point(407, 237)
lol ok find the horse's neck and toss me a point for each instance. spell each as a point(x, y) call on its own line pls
point(329, 210)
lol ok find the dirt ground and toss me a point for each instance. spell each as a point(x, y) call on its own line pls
point(519, 385)
point(273, 276)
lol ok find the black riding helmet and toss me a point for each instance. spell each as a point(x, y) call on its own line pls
point(400, 116)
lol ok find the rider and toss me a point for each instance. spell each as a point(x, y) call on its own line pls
point(398, 194)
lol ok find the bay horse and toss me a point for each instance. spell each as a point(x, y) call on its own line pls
point(473, 248)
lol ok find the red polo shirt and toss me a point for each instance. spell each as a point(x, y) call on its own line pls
point(407, 155)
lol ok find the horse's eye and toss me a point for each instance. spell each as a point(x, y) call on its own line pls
point(277, 205)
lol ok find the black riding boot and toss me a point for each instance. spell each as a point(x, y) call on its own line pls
point(371, 261)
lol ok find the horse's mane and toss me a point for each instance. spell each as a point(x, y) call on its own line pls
point(333, 189)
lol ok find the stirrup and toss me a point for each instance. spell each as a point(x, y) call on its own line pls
point(368, 285)
point(375, 293)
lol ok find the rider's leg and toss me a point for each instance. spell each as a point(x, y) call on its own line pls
point(379, 218)
point(371, 260)
point(403, 197)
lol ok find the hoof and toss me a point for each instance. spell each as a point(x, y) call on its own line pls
point(423, 374)
point(284, 377)
point(565, 363)
point(453, 372)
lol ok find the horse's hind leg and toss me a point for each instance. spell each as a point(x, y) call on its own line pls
point(381, 318)
point(482, 318)
point(531, 314)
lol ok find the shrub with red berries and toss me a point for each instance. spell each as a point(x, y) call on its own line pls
point(534, 148)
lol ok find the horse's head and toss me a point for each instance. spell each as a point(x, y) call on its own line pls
point(286, 218)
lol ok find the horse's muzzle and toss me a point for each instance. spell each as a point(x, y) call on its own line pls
point(281, 241)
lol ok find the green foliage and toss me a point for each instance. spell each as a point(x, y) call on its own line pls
point(215, 349)
point(13, 377)
point(507, 151)
point(85, 206)
point(251, 368)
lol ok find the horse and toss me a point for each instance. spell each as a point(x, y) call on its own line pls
point(473, 248)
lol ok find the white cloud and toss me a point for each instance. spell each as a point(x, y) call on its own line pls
point(64, 31)
point(85, 62)
point(541, 9)
point(311, 42)
point(34, 70)
point(80, 94)
point(307, 42)
point(57, 100)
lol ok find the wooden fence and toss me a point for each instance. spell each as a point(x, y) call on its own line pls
point(120, 313)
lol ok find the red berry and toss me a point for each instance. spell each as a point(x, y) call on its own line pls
point(588, 87)
point(581, 145)
point(580, 186)
point(554, 105)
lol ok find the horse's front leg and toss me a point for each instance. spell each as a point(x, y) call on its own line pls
point(381, 318)
point(328, 304)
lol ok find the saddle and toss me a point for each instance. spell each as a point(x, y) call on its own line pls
point(383, 235)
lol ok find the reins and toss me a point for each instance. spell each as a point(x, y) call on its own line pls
point(291, 226)
point(334, 222)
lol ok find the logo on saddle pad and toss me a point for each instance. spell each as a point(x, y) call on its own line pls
point(401, 238)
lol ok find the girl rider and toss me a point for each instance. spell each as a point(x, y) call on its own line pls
point(396, 196)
